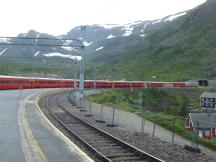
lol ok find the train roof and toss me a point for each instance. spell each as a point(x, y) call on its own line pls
point(20, 77)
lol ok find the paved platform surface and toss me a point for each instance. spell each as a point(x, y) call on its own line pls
point(25, 136)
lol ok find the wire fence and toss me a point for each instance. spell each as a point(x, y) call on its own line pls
point(172, 129)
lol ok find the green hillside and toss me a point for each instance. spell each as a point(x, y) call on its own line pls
point(182, 50)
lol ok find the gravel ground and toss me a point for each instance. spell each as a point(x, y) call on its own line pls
point(152, 145)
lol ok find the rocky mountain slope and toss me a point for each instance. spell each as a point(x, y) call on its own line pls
point(177, 47)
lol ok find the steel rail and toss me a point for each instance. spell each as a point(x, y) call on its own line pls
point(101, 156)
point(134, 150)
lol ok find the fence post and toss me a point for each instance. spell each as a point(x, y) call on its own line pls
point(84, 109)
point(89, 114)
point(193, 135)
point(142, 125)
point(173, 130)
point(197, 135)
point(101, 116)
point(113, 120)
point(113, 116)
point(154, 127)
point(101, 112)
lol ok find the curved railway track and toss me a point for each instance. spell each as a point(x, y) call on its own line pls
point(104, 146)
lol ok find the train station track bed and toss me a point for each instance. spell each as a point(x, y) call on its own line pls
point(152, 145)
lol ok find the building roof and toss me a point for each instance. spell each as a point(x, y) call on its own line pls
point(206, 120)
point(209, 94)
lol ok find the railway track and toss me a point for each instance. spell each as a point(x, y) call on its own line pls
point(104, 146)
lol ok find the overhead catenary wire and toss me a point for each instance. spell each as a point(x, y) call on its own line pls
point(83, 27)
point(60, 39)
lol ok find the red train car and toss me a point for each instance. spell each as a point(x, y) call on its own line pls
point(7, 82)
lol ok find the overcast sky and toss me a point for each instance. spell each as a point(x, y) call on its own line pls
point(57, 17)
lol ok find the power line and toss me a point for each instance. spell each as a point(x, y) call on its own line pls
point(83, 27)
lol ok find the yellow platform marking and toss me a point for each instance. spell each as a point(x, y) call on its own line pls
point(30, 146)
point(61, 135)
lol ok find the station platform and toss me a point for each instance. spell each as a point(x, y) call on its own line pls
point(26, 136)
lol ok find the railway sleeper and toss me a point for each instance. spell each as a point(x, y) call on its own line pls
point(113, 152)
point(113, 149)
point(116, 155)
point(109, 147)
point(96, 137)
point(91, 137)
point(104, 145)
point(96, 141)
point(66, 119)
point(133, 158)
point(69, 119)
point(70, 123)
point(80, 130)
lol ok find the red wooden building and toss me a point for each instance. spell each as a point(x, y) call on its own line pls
point(203, 122)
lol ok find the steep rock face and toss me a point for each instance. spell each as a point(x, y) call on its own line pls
point(203, 14)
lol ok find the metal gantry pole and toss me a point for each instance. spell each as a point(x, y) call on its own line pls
point(81, 85)
point(95, 77)
point(75, 81)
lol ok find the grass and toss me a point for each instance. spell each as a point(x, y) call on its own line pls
point(124, 100)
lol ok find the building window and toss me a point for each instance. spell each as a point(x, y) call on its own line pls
point(202, 99)
point(207, 133)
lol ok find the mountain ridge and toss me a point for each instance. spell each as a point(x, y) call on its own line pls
point(171, 48)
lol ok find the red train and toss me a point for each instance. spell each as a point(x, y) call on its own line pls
point(9, 82)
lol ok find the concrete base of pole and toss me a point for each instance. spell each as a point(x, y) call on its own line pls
point(112, 125)
point(73, 104)
point(191, 149)
point(100, 121)
point(88, 115)
point(83, 110)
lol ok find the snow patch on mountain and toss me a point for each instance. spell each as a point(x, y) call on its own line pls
point(78, 58)
point(100, 48)
point(142, 35)
point(134, 23)
point(110, 36)
point(4, 40)
point(128, 31)
point(37, 53)
point(144, 29)
point(110, 26)
point(172, 17)
point(69, 48)
point(86, 44)
point(3, 51)
point(156, 21)
point(68, 41)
